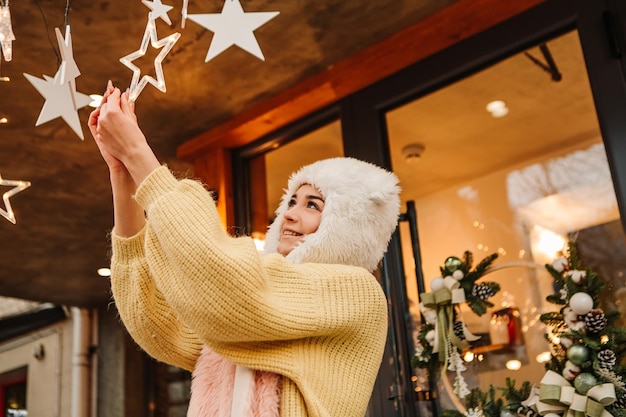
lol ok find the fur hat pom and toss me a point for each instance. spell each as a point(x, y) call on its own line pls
point(361, 209)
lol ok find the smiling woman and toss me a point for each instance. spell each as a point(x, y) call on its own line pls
point(277, 333)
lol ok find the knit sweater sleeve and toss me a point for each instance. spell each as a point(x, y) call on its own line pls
point(217, 284)
point(147, 316)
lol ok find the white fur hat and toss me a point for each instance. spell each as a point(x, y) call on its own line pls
point(361, 209)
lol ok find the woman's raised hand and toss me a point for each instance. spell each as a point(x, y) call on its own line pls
point(118, 136)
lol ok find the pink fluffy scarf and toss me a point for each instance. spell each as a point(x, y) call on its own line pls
point(212, 389)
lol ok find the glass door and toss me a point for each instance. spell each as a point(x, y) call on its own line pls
point(508, 161)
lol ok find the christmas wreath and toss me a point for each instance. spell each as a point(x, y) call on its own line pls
point(443, 334)
point(585, 376)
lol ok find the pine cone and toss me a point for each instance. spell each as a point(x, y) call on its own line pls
point(523, 411)
point(595, 321)
point(482, 291)
point(607, 359)
point(457, 327)
point(620, 402)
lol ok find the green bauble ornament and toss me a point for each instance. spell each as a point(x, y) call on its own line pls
point(584, 382)
point(578, 354)
point(452, 264)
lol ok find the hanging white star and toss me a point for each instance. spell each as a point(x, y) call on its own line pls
point(149, 37)
point(68, 70)
point(158, 10)
point(6, 32)
point(233, 27)
point(18, 186)
point(59, 102)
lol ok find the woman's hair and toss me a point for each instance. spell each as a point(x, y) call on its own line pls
point(361, 209)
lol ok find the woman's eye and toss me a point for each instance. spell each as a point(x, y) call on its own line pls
point(313, 205)
point(291, 203)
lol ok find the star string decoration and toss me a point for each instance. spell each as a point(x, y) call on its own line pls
point(138, 83)
point(231, 27)
point(61, 98)
point(6, 32)
point(18, 186)
point(158, 10)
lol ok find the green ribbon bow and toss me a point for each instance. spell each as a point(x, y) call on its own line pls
point(556, 397)
point(443, 301)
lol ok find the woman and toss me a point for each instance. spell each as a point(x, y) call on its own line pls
point(297, 331)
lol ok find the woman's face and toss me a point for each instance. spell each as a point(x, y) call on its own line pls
point(302, 217)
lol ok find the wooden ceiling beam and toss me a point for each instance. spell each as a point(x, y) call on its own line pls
point(459, 21)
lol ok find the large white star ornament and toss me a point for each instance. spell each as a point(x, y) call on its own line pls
point(59, 102)
point(18, 186)
point(149, 37)
point(6, 32)
point(233, 27)
point(158, 10)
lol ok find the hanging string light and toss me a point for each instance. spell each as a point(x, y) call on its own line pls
point(18, 186)
point(6, 31)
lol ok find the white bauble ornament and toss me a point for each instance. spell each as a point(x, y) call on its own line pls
point(560, 264)
point(458, 275)
point(581, 303)
point(570, 371)
point(577, 276)
point(436, 284)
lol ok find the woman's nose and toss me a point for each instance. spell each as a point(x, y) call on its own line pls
point(291, 214)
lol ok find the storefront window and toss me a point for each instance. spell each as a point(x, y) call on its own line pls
point(509, 161)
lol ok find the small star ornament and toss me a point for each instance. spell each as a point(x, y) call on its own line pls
point(138, 83)
point(158, 10)
point(233, 27)
point(17, 186)
point(6, 32)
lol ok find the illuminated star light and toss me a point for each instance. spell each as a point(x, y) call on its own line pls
point(59, 102)
point(233, 27)
point(149, 36)
point(158, 10)
point(6, 32)
point(17, 187)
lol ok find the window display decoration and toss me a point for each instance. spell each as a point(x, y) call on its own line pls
point(585, 376)
point(444, 334)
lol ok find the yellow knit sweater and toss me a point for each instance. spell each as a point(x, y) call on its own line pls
point(182, 283)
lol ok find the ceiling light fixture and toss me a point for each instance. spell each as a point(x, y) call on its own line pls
point(104, 272)
point(497, 108)
point(4, 120)
point(5, 78)
point(412, 153)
